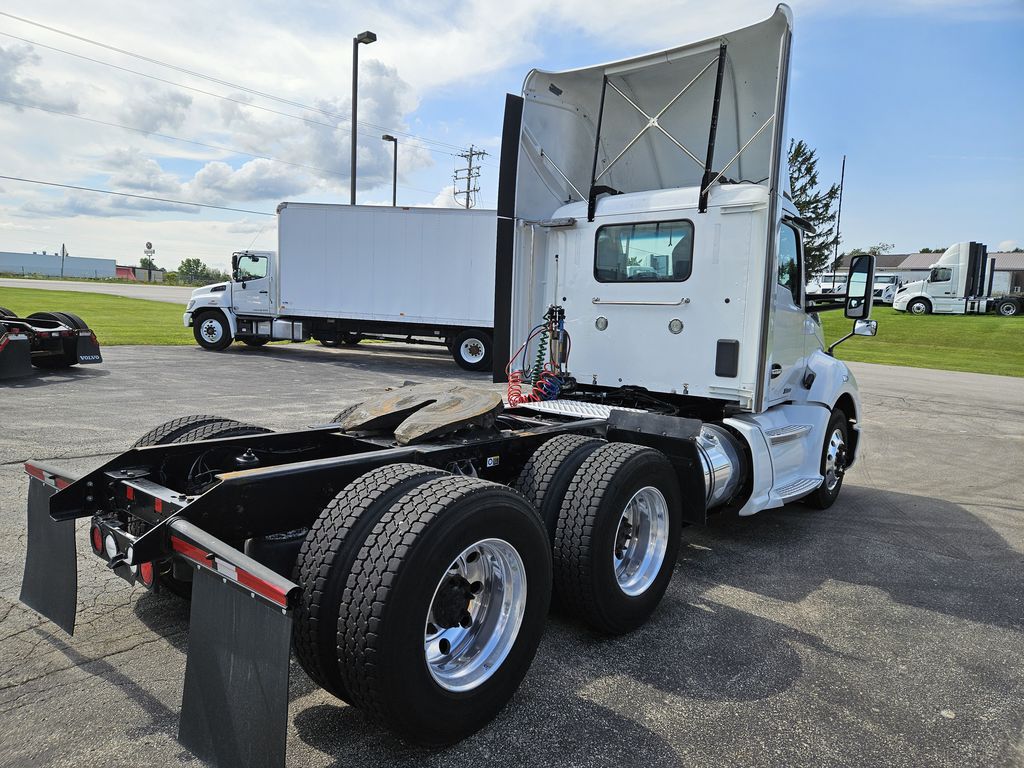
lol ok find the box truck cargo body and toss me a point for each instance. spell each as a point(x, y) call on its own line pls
point(344, 273)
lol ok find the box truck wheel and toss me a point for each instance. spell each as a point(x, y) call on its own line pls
point(472, 350)
point(68, 356)
point(545, 478)
point(617, 537)
point(1008, 308)
point(833, 462)
point(445, 608)
point(325, 561)
point(919, 307)
point(212, 331)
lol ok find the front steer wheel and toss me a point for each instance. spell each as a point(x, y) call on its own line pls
point(833, 462)
point(211, 331)
point(444, 608)
point(617, 537)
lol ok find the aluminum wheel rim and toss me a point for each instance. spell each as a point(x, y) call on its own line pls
point(472, 350)
point(917, 308)
point(1007, 310)
point(835, 459)
point(641, 540)
point(211, 330)
point(463, 651)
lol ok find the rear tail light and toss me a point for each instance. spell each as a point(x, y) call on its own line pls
point(146, 574)
point(96, 539)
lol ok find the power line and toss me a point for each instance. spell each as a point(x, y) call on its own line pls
point(202, 76)
point(138, 197)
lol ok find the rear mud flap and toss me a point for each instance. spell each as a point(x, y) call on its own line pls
point(88, 349)
point(15, 358)
point(234, 711)
point(50, 584)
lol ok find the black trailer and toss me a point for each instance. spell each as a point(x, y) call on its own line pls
point(44, 340)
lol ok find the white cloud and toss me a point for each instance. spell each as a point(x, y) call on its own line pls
point(446, 198)
point(16, 86)
point(155, 108)
point(1006, 245)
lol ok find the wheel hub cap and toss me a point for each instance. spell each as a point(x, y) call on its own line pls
point(835, 460)
point(473, 350)
point(641, 541)
point(211, 330)
point(475, 615)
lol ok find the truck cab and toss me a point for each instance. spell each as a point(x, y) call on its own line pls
point(956, 284)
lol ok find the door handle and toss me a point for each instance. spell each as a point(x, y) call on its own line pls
point(776, 370)
point(264, 291)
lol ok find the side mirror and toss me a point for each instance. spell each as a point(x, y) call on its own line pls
point(859, 287)
point(865, 328)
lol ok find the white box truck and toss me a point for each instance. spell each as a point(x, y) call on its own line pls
point(957, 285)
point(344, 273)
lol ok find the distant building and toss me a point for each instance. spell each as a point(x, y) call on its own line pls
point(141, 274)
point(48, 264)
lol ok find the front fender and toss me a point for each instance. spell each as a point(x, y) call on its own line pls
point(835, 385)
point(204, 304)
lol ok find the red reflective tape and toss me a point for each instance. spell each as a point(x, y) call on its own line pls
point(158, 505)
point(129, 492)
point(261, 587)
point(35, 471)
point(61, 483)
point(190, 551)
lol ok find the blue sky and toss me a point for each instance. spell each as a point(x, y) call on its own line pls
point(923, 96)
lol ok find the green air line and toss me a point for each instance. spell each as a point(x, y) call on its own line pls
point(542, 349)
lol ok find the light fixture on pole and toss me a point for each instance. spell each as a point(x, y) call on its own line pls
point(394, 176)
point(365, 38)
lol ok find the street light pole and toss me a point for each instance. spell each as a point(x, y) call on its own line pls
point(365, 38)
point(394, 176)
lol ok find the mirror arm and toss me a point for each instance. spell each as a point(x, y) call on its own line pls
point(837, 342)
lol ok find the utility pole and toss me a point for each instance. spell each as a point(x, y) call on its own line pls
point(63, 254)
point(471, 175)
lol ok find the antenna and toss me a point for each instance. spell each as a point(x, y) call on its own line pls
point(839, 216)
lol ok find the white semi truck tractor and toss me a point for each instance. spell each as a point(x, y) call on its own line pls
point(959, 283)
point(661, 363)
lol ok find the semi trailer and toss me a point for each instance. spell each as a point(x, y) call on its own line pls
point(661, 361)
point(959, 283)
point(345, 273)
point(44, 340)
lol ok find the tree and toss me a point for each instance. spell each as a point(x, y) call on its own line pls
point(147, 263)
point(193, 269)
point(814, 205)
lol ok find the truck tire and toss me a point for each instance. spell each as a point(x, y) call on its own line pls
point(211, 331)
point(170, 431)
point(471, 350)
point(1008, 308)
point(617, 537)
point(919, 307)
point(219, 429)
point(68, 356)
point(444, 608)
point(325, 561)
point(545, 478)
point(5, 312)
point(73, 320)
point(833, 462)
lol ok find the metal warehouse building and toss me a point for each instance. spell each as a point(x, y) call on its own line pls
point(49, 264)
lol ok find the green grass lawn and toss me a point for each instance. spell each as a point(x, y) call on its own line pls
point(115, 319)
point(978, 343)
point(983, 344)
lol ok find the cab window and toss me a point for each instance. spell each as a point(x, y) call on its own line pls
point(655, 252)
point(251, 267)
point(789, 261)
point(940, 275)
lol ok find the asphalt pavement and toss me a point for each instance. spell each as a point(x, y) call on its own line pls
point(887, 631)
point(173, 294)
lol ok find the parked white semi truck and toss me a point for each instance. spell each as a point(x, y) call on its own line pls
point(959, 283)
point(344, 273)
point(664, 365)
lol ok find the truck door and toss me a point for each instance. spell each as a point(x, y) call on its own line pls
point(251, 294)
point(791, 325)
point(940, 287)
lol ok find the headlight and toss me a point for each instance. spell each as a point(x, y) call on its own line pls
point(191, 303)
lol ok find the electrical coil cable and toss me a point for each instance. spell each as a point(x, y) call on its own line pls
point(544, 377)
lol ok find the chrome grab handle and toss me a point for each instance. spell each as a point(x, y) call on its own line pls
point(597, 300)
